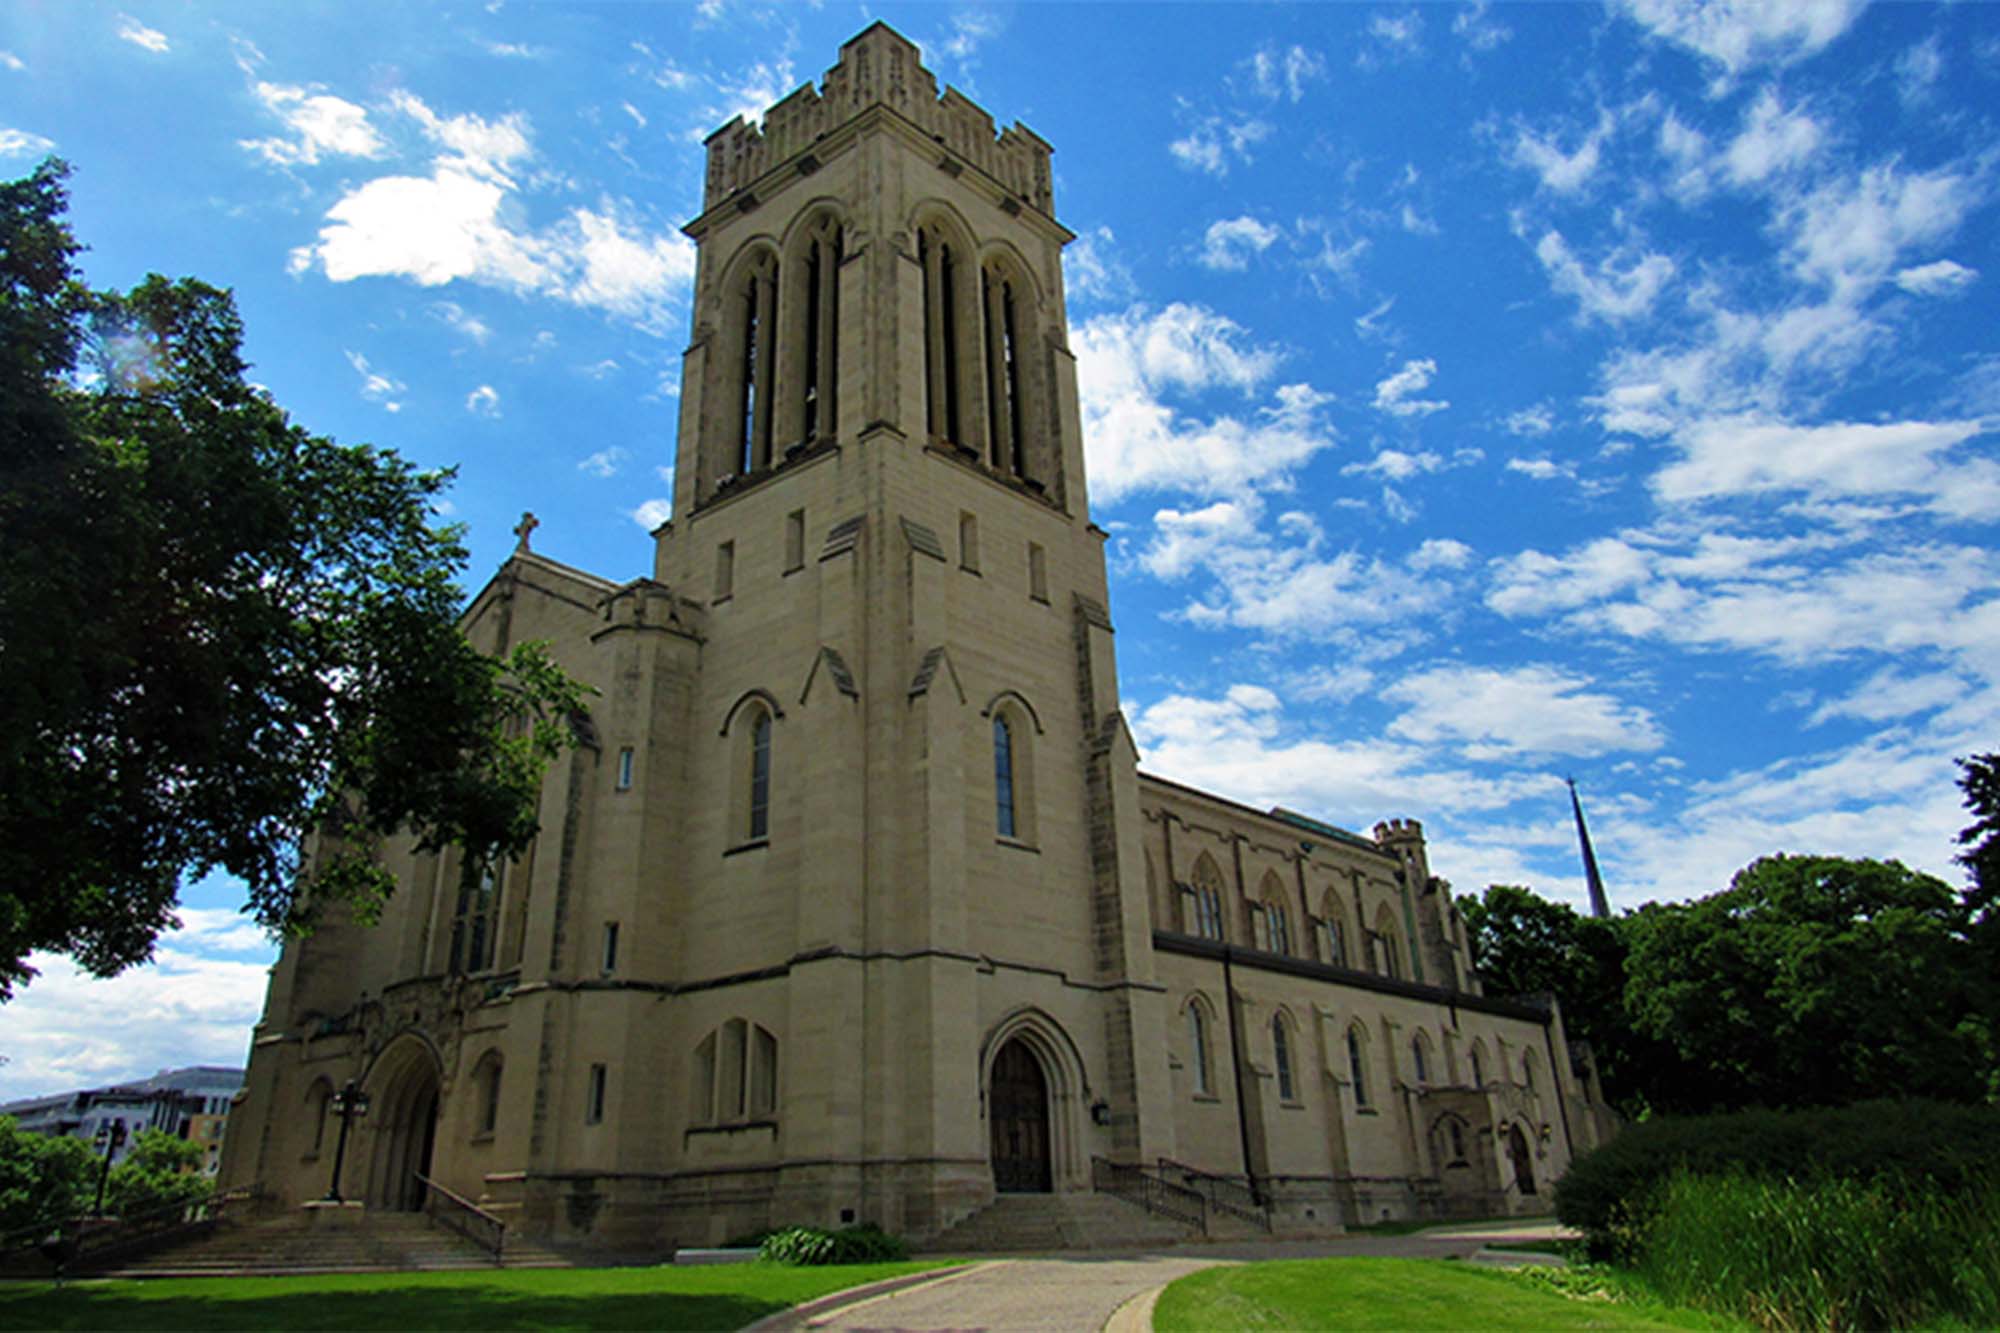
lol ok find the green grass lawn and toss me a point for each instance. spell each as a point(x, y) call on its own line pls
point(1390, 1294)
point(722, 1296)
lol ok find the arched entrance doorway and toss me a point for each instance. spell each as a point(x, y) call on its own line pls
point(404, 1088)
point(1018, 1110)
point(1524, 1164)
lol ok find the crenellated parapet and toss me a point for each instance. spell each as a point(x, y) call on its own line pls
point(883, 67)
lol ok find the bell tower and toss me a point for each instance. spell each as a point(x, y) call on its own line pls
point(925, 802)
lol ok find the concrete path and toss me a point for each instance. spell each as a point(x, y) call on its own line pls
point(1113, 1292)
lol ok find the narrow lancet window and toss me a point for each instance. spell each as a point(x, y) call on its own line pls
point(760, 777)
point(1003, 776)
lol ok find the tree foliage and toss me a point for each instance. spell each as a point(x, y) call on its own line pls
point(218, 629)
point(42, 1178)
point(1813, 981)
point(159, 1171)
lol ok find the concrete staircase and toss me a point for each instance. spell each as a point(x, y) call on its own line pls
point(378, 1243)
point(1055, 1222)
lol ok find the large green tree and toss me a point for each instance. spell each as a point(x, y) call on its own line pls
point(1814, 981)
point(217, 629)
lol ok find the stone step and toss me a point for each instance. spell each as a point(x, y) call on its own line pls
point(1043, 1222)
point(381, 1242)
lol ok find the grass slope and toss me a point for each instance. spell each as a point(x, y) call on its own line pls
point(719, 1297)
point(1387, 1294)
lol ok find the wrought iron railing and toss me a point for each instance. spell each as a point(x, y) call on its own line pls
point(1151, 1191)
point(457, 1213)
point(1222, 1193)
point(67, 1241)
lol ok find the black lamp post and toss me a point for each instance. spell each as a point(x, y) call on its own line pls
point(110, 1137)
point(350, 1104)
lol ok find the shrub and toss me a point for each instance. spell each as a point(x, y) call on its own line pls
point(864, 1244)
point(1611, 1193)
point(1828, 1253)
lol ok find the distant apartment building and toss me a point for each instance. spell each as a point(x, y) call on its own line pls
point(191, 1103)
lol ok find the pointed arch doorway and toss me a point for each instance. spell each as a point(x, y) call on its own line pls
point(405, 1091)
point(1018, 1109)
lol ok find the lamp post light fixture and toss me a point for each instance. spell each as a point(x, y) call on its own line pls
point(110, 1137)
point(350, 1104)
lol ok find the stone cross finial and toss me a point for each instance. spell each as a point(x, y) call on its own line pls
point(526, 526)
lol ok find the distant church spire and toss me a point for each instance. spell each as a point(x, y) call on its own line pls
point(1600, 906)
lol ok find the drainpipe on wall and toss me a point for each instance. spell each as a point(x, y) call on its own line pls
point(1236, 1070)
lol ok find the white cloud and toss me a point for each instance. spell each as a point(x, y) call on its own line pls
point(1230, 243)
point(483, 401)
point(457, 224)
point(1531, 422)
point(1890, 694)
point(1532, 583)
point(1215, 141)
point(1475, 26)
point(1562, 172)
point(458, 318)
point(1940, 278)
point(377, 387)
point(1851, 231)
point(1493, 713)
point(1440, 553)
point(603, 463)
point(1370, 324)
point(1243, 743)
point(1392, 395)
point(762, 86)
point(1736, 34)
point(1399, 34)
point(1917, 71)
point(20, 143)
point(638, 116)
point(1092, 269)
point(1127, 365)
point(1732, 456)
point(1541, 469)
point(1282, 579)
point(1621, 286)
point(1687, 149)
point(137, 33)
point(1395, 465)
point(194, 1004)
point(1773, 140)
point(514, 50)
point(12, 61)
point(652, 513)
point(322, 125)
point(1286, 73)
point(969, 28)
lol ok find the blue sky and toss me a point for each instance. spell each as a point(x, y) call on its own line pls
point(1474, 395)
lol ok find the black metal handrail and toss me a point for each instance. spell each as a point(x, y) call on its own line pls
point(1226, 1193)
point(64, 1241)
point(457, 1213)
point(1154, 1193)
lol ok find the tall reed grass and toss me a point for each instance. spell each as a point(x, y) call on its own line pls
point(1825, 1253)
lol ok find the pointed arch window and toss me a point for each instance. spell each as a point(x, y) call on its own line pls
point(822, 330)
point(473, 921)
point(1202, 900)
point(1280, 926)
point(939, 262)
point(1281, 1057)
point(760, 775)
point(1003, 776)
point(1478, 1063)
point(1419, 1058)
point(756, 353)
point(1006, 417)
point(1197, 1021)
point(1355, 1067)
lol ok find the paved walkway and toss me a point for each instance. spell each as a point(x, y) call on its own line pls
point(1084, 1293)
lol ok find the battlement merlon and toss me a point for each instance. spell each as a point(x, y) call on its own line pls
point(879, 67)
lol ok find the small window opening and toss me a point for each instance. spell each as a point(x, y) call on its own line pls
point(594, 1110)
point(968, 542)
point(795, 541)
point(625, 769)
point(1038, 573)
point(725, 571)
point(610, 947)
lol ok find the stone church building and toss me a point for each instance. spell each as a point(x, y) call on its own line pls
point(853, 903)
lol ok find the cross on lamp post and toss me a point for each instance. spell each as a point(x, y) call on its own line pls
point(110, 1137)
point(350, 1103)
